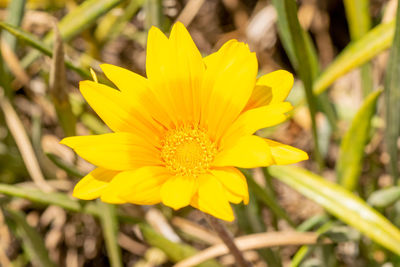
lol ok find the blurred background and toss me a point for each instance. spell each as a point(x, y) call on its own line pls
point(349, 131)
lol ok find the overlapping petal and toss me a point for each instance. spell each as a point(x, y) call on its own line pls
point(254, 119)
point(227, 85)
point(115, 151)
point(234, 183)
point(177, 192)
point(141, 186)
point(211, 198)
point(136, 89)
point(118, 112)
point(271, 88)
point(94, 184)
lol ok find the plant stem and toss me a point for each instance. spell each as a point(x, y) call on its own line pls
point(227, 238)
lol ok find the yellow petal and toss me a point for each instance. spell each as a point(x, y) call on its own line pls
point(247, 152)
point(141, 186)
point(115, 151)
point(227, 85)
point(280, 82)
point(177, 191)
point(285, 154)
point(260, 96)
point(255, 119)
point(211, 198)
point(175, 68)
point(136, 88)
point(124, 79)
point(234, 182)
point(92, 185)
point(118, 112)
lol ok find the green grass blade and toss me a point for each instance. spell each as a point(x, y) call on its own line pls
point(358, 17)
point(59, 199)
point(15, 13)
point(75, 22)
point(349, 164)
point(31, 240)
point(175, 251)
point(40, 46)
point(359, 20)
point(392, 101)
point(109, 33)
point(263, 196)
point(303, 251)
point(299, 39)
point(110, 226)
point(68, 168)
point(356, 54)
point(341, 203)
point(384, 197)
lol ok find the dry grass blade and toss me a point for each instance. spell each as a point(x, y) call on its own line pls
point(195, 230)
point(13, 63)
point(24, 145)
point(254, 241)
point(190, 11)
point(58, 85)
point(57, 73)
point(131, 245)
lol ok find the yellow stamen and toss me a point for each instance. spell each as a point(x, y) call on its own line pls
point(188, 151)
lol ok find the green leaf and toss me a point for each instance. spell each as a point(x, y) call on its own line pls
point(341, 203)
point(392, 101)
point(302, 53)
point(356, 54)
point(31, 240)
point(349, 164)
point(15, 13)
point(59, 199)
point(75, 22)
point(41, 47)
point(110, 226)
point(358, 17)
point(359, 20)
point(263, 196)
point(384, 197)
point(175, 251)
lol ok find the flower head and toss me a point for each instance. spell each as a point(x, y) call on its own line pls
point(180, 132)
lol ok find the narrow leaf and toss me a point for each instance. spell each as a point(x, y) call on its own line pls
point(31, 240)
point(59, 199)
point(58, 87)
point(384, 197)
point(270, 202)
point(15, 13)
point(303, 55)
point(41, 47)
point(76, 21)
point(392, 101)
point(110, 226)
point(356, 54)
point(359, 20)
point(358, 17)
point(349, 164)
point(341, 203)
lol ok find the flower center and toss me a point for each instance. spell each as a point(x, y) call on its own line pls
point(188, 151)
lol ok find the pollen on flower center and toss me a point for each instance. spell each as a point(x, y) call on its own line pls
point(188, 151)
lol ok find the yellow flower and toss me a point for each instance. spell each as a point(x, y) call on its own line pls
point(180, 133)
